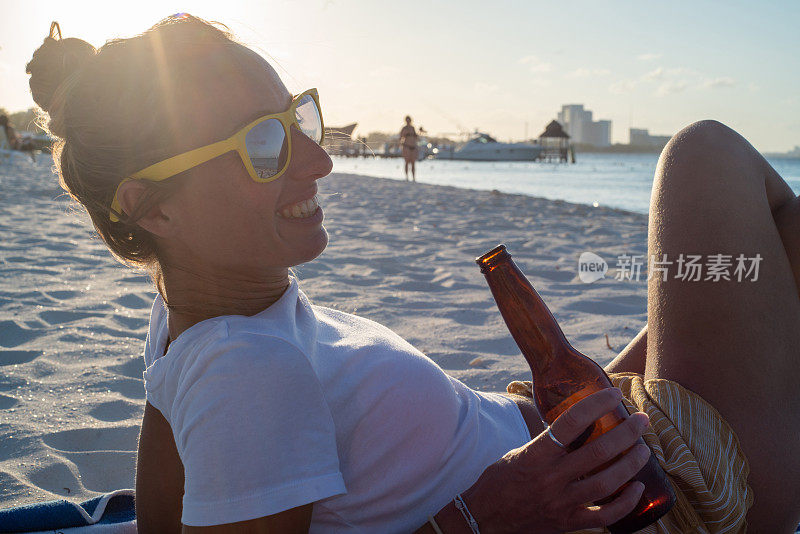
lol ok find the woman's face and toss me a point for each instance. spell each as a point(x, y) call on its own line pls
point(223, 219)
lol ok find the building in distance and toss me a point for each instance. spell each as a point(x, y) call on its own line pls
point(582, 129)
point(640, 137)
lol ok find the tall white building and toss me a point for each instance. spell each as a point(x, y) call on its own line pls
point(578, 123)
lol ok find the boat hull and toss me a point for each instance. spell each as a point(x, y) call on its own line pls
point(526, 153)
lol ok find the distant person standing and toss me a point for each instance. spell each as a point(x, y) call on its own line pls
point(12, 139)
point(8, 139)
point(408, 140)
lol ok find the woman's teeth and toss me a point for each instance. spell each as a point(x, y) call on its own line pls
point(301, 210)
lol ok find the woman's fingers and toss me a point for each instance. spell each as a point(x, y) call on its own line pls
point(607, 514)
point(604, 483)
point(606, 447)
point(577, 418)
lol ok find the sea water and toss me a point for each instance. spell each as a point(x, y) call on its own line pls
point(615, 180)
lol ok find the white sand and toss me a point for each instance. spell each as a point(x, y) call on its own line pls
point(73, 321)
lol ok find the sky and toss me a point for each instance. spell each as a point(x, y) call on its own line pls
point(503, 67)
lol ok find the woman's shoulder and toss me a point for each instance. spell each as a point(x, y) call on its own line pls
point(228, 338)
point(222, 341)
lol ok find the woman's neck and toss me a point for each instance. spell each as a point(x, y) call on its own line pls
point(194, 296)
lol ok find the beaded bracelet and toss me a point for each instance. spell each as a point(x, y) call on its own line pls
point(435, 526)
point(461, 507)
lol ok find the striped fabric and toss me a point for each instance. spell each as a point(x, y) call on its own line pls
point(699, 452)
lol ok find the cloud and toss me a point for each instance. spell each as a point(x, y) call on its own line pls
point(588, 73)
point(660, 73)
point(648, 57)
point(716, 83)
point(622, 87)
point(535, 64)
point(672, 87)
point(656, 74)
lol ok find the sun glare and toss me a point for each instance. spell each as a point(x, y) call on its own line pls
point(94, 22)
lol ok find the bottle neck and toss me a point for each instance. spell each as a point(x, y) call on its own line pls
point(530, 322)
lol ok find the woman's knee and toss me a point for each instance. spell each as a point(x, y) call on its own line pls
point(705, 138)
point(707, 153)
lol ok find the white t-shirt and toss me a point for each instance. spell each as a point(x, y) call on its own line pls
point(301, 404)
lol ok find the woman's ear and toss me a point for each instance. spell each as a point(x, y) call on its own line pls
point(154, 220)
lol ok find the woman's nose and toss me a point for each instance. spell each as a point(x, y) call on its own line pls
point(309, 159)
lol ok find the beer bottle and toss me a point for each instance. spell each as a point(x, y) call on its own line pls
point(562, 376)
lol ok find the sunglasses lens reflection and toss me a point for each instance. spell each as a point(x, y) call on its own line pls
point(267, 147)
point(309, 118)
point(267, 144)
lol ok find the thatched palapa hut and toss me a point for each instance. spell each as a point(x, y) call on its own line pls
point(555, 144)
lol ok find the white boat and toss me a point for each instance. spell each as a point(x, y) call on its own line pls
point(484, 147)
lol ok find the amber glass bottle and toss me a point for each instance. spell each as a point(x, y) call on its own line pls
point(562, 376)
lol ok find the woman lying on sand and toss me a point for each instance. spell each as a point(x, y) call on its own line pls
point(265, 413)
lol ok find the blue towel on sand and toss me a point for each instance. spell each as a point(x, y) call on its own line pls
point(111, 513)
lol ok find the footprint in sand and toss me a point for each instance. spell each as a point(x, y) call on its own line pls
point(468, 316)
point(7, 402)
point(93, 439)
point(14, 357)
point(112, 411)
point(13, 335)
point(104, 471)
point(112, 461)
point(133, 301)
point(56, 477)
point(131, 323)
point(55, 317)
point(128, 387)
point(132, 368)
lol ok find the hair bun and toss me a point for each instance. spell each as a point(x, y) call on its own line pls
point(54, 62)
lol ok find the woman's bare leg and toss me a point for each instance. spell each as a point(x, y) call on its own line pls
point(787, 220)
point(737, 344)
point(632, 358)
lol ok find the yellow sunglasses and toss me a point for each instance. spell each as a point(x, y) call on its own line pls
point(265, 146)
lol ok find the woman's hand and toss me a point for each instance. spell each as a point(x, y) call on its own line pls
point(536, 488)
